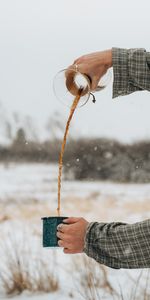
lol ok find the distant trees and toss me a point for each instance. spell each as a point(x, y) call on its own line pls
point(20, 138)
point(92, 159)
point(104, 159)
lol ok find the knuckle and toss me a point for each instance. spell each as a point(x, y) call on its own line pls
point(60, 227)
point(58, 234)
point(60, 243)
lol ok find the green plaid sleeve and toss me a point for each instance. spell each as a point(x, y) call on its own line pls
point(119, 245)
point(131, 69)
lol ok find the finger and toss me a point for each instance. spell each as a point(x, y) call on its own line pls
point(76, 61)
point(73, 68)
point(95, 81)
point(64, 244)
point(60, 235)
point(60, 243)
point(63, 236)
point(62, 228)
point(80, 67)
point(71, 220)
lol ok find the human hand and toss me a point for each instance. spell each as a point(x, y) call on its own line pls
point(95, 65)
point(72, 235)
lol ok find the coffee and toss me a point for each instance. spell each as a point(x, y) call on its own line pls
point(73, 107)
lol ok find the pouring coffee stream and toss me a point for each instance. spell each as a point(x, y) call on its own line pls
point(78, 87)
point(73, 107)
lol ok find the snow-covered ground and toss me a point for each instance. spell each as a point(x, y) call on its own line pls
point(29, 192)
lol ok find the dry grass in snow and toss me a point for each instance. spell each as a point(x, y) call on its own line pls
point(23, 266)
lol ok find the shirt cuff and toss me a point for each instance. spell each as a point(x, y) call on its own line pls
point(125, 62)
point(88, 242)
point(92, 246)
point(120, 71)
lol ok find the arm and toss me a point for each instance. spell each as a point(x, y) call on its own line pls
point(117, 245)
point(131, 69)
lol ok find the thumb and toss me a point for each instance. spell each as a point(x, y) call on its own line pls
point(71, 220)
point(95, 81)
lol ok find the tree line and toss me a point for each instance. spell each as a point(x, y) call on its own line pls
point(92, 159)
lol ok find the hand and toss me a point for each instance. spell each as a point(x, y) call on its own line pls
point(72, 235)
point(95, 65)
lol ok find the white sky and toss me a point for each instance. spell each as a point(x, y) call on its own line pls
point(40, 37)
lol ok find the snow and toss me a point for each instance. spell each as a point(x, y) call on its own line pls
point(53, 296)
point(41, 180)
point(29, 192)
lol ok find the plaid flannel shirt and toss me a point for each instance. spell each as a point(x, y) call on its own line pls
point(131, 70)
point(121, 245)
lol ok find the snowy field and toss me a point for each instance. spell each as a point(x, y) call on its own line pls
point(29, 192)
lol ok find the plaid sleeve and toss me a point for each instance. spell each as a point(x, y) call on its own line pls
point(131, 69)
point(119, 245)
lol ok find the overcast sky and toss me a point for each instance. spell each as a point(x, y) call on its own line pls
point(39, 38)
